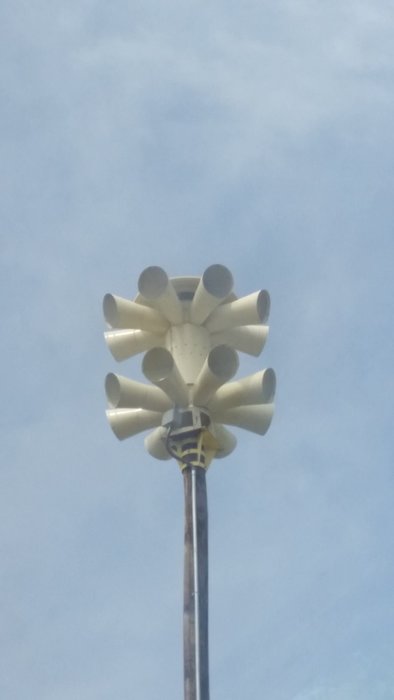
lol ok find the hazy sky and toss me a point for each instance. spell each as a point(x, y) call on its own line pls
point(258, 135)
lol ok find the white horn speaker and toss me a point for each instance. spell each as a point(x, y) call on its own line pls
point(155, 443)
point(249, 339)
point(257, 419)
point(159, 367)
point(220, 366)
point(246, 311)
point(126, 422)
point(226, 440)
point(123, 313)
point(256, 389)
point(129, 342)
point(155, 286)
point(127, 393)
point(214, 286)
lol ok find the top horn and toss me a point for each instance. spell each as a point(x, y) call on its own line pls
point(157, 288)
point(214, 286)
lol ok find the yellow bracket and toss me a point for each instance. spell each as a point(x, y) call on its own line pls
point(195, 450)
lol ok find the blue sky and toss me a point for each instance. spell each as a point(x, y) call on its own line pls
point(257, 135)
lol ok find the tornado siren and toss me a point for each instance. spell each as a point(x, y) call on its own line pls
point(190, 329)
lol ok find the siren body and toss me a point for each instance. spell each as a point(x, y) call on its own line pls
point(190, 330)
point(189, 345)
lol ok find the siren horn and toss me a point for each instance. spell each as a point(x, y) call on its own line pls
point(246, 311)
point(258, 388)
point(129, 342)
point(127, 393)
point(215, 285)
point(155, 443)
point(257, 419)
point(226, 440)
point(249, 339)
point(155, 286)
point(220, 366)
point(126, 422)
point(159, 367)
point(123, 313)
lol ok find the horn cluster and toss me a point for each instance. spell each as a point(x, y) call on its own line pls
point(190, 330)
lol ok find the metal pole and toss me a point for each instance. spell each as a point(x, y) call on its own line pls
point(195, 609)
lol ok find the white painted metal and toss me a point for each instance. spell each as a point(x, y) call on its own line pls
point(189, 346)
point(226, 441)
point(156, 288)
point(257, 419)
point(159, 367)
point(126, 393)
point(248, 310)
point(123, 313)
point(220, 366)
point(214, 287)
point(126, 422)
point(256, 389)
point(127, 342)
point(155, 444)
point(249, 339)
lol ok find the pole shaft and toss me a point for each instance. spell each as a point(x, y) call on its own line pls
point(195, 604)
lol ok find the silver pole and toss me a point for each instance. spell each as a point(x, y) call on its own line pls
point(196, 589)
point(195, 605)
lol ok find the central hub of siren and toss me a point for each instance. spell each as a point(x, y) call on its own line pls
point(190, 438)
point(191, 328)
